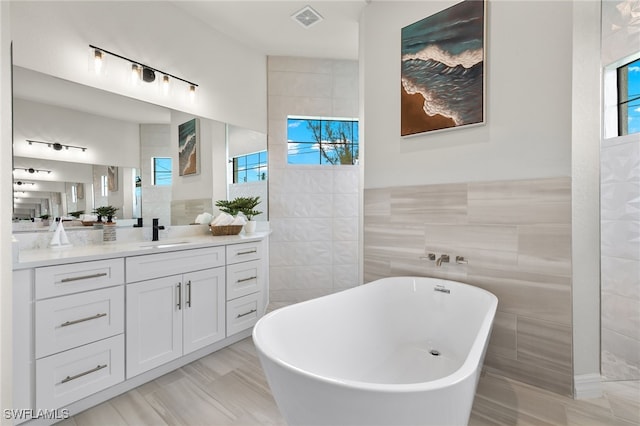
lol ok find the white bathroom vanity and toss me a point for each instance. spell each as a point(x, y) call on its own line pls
point(92, 322)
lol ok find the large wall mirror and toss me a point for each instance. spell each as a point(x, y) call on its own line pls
point(77, 148)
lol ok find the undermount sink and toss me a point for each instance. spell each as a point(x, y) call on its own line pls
point(165, 245)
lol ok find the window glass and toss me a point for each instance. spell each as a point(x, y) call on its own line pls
point(322, 141)
point(250, 167)
point(161, 171)
point(629, 98)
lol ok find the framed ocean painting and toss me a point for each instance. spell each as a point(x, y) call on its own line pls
point(442, 76)
point(188, 147)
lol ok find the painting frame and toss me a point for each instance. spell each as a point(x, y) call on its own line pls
point(189, 148)
point(443, 70)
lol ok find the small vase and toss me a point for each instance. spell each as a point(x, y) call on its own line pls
point(109, 232)
point(250, 227)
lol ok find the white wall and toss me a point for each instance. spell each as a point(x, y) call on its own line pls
point(108, 141)
point(53, 38)
point(528, 99)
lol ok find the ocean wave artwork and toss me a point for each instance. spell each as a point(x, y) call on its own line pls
point(188, 147)
point(442, 76)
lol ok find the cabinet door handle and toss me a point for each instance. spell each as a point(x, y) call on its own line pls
point(247, 252)
point(93, 370)
point(189, 293)
point(246, 313)
point(179, 296)
point(246, 279)
point(96, 316)
point(84, 277)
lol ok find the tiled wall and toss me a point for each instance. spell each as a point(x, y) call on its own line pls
point(516, 236)
point(620, 214)
point(313, 210)
point(620, 251)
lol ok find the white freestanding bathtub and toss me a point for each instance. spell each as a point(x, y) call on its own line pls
point(396, 351)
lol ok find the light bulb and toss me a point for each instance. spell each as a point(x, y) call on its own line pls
point(135, 74)
point(98, 58)
point(192, 93)
point(165, 84)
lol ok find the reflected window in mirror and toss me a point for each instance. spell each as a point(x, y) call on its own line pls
point(250, 167)
point(161, 171)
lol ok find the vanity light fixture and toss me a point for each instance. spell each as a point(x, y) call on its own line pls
point(144, 72)
point(31, 170)
point(21, 182)
point(56, 146)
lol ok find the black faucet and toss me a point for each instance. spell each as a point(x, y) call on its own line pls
point(156, 228)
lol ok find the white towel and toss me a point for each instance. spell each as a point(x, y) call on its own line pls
point(204, 218)
point(222, 219)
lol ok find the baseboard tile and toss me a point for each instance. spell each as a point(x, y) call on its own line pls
point(587, 386)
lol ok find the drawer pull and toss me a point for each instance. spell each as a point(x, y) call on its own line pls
point(247, 252)
point(96, 316)
point(179, 296)
point(246, 279)
point(246, 313)
point(93, 370)
point(84, 277)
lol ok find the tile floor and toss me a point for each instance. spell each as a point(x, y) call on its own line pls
point(229, 388)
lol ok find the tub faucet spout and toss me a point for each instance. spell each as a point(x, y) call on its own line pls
point(442, 258)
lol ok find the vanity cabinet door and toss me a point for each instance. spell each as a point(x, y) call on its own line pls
point(154, 323)
point(204, 308)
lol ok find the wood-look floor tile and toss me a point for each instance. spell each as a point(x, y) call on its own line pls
point(100, 415)
point(182, 402)
point(133, 407)
point(199, 395)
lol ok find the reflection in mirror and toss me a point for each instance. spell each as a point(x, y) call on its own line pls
point(127, 146)
point(248, 166)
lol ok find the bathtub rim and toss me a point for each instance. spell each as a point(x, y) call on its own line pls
point(466, 370)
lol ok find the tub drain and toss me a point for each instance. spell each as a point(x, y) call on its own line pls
point(434, 352)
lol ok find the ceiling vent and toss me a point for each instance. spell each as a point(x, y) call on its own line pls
point(307, 17)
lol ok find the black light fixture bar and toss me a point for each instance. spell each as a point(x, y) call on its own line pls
point(141, 64)
point(56, 146)
point(33, 170)
point(21, 182)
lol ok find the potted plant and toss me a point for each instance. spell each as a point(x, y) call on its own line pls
point(77, 214)
point(246, 205)
point(45, 219)
point(106, 211)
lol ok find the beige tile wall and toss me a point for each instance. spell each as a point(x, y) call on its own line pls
point(516, 236)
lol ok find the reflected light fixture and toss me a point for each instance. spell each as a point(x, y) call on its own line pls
point(21, 182)
point(56, 146)
point(32, 170)
point(142, 71)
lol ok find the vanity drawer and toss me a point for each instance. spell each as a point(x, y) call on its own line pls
point(243, 252)
point(52, 281)
point(243, 313)
point(72, 375)
point(145, 267)
point(70, 321)
point(243, 278)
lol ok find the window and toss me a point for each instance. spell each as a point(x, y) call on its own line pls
point(161, 172)
point(314, 140)
point(629, 98)
point(250, 167)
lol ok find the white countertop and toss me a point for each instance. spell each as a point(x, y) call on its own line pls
point(55, 256)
